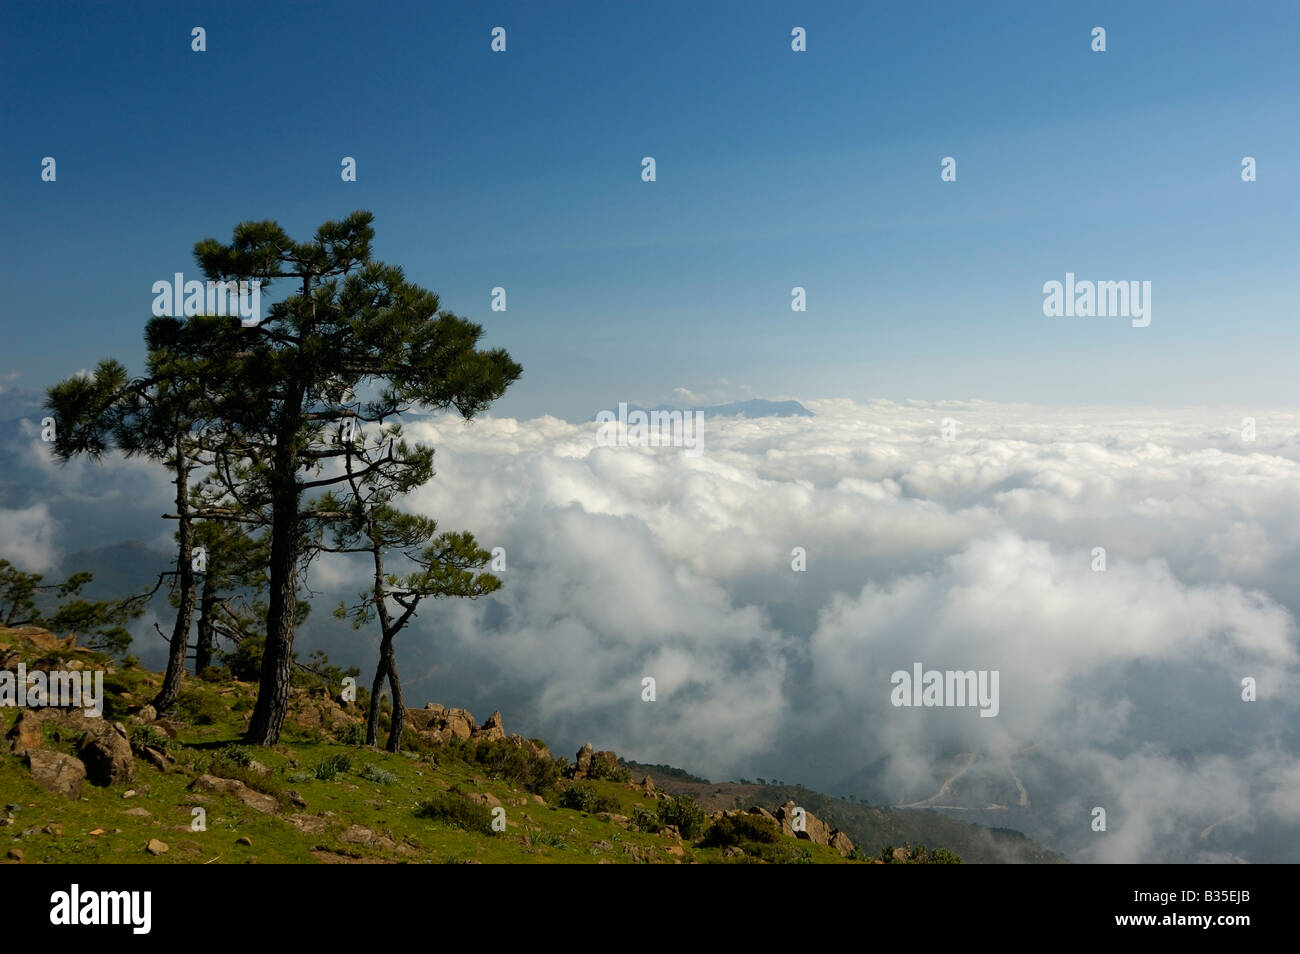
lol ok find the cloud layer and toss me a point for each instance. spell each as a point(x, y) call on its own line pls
point(1119, 689)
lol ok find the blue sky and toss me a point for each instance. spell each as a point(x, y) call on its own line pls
point(775, 169)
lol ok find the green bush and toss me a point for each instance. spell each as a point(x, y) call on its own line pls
point(235, 754)
point(456, 808)
point(646, 820)
point(514, 764)
point(613, 771)
point(685, 813)
point(149, 736)
point(744, 831)
point(585, 798)
point(374, 773)
point(332, 766)
point(354, 733)
point(198, 708)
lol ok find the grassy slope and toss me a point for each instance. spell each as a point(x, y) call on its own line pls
point(50, 828)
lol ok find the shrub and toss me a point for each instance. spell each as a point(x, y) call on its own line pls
point(585, 798)
point(514, 764)
point(332, 766)
point(742, 830)
point(685, 813)
point(354, 733)
point(646, 820)
point(198, 708)
point(148, 736)
point(374, 773)
point(613, 771)
point(235, 754)
point(456, 808)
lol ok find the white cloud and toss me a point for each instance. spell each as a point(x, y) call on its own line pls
point(973, 553)
point(26, 538)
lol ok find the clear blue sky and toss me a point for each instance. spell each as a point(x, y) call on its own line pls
point(775, 169)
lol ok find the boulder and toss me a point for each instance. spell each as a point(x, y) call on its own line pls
point(26, 734)
point(582, 761)
point(56, 772)
point(841, 843)
point(811, 829)
point(106, 752)
point(144, 715)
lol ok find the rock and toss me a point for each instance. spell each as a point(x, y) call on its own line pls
point(129, 793)
point(485, 798)
point(155, 847)
point(812, 829)
point(436, 723)
point(841, 843)
point(56, 772)
point(254, 800)
point(55, 830)
point(244, 840)
point(307, 823)
point(733, 851)
point(27, 733)
point(582, 762)
point(648, 785)
point(106, 752)
point(296, 799)
point(144, 715)
point(493, 728)
point(157, 758)
point(138, 812)
point(15, 854)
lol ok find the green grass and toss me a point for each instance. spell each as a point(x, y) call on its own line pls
point(373, 789)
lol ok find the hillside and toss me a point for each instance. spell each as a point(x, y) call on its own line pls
point(129, 787)
point(872, 828)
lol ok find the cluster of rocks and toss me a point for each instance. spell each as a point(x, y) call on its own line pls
point(436, 724)
point(805, 825)
point(104, 755)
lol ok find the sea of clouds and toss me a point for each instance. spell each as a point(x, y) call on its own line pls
point(1119, 689)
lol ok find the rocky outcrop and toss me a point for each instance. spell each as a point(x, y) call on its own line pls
point(436, 723)
point(798, 823)
point(582, 761)
point(57, 772)
point(493, 728)
point(105, 749)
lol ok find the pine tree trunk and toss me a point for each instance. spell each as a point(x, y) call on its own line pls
point(203, 651)
point(277, 660)
point(399, 703)
point(171, 685)
point(372, 719)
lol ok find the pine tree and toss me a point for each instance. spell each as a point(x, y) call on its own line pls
point(287, 389)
